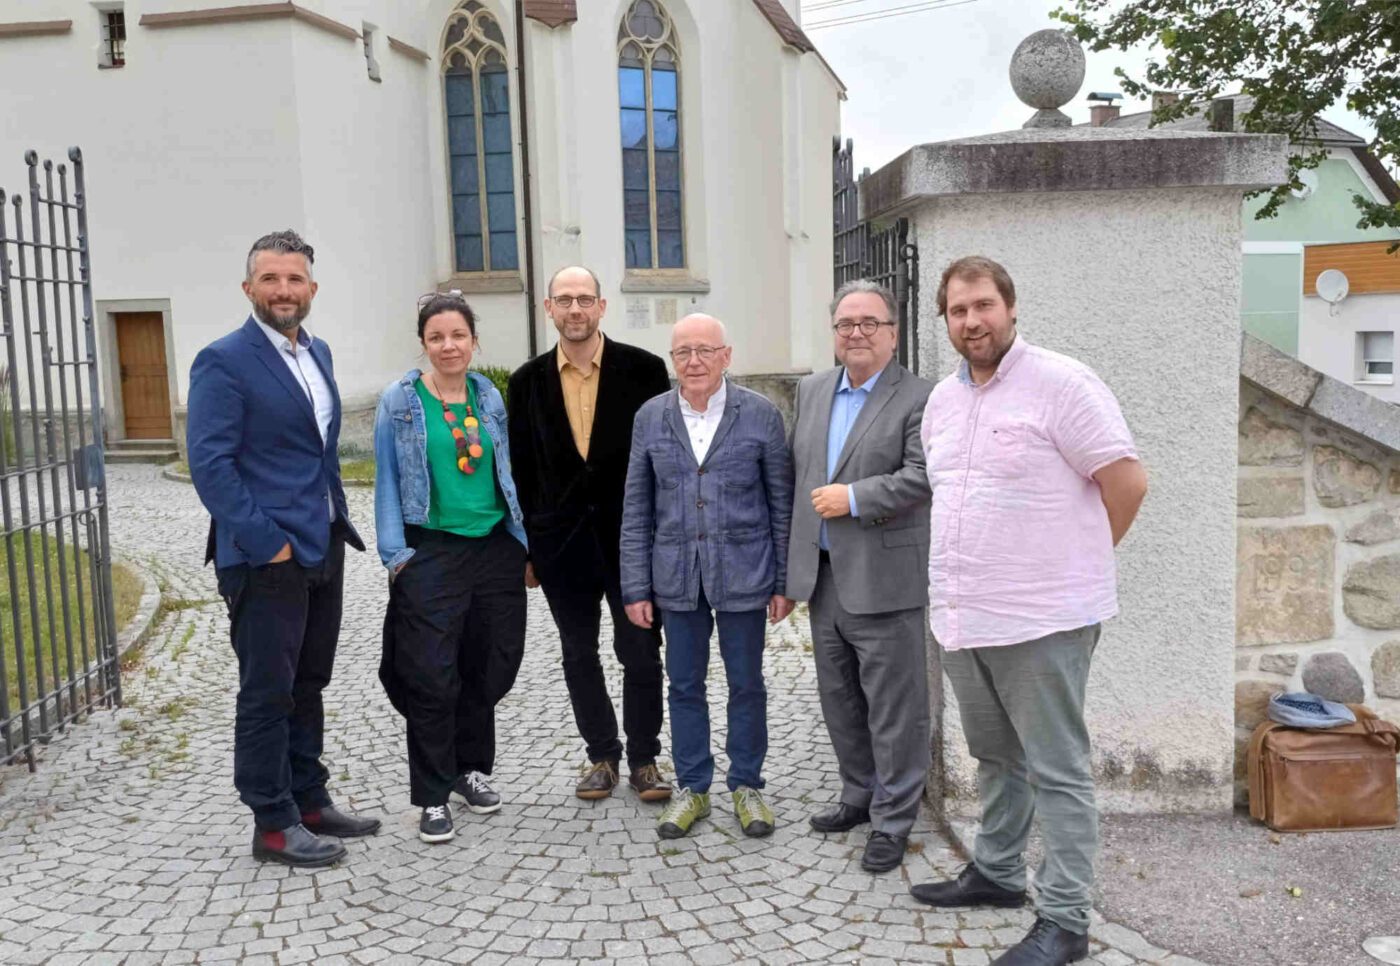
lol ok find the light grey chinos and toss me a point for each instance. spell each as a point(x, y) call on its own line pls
point(868, 594)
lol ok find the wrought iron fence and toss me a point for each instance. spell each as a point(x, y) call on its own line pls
point(885, 255)
point(58, 650)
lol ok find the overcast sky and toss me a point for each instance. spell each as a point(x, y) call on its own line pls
point(941, 74)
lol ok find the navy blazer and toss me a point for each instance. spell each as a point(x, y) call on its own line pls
point(256, 454)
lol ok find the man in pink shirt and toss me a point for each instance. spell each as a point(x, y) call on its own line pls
point(1035, 480)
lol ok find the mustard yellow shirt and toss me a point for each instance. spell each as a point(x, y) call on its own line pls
point(580, 394)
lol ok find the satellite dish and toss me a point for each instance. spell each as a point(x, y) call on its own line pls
point(1308, 179)
point(1332, 286)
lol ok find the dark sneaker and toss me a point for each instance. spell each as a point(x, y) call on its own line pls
point(648, 784)
point(683, 810)
point(1047, 944)
point(598, 781)
point(753, 813)
point(970, 888)
point(436, 824)
point(480, 797)
point(296, 846)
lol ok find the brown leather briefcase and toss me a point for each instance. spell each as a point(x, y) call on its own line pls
point(1305, 780)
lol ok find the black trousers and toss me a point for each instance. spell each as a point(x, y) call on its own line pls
point(575, 594)
point(457, 623)
point(284, 621)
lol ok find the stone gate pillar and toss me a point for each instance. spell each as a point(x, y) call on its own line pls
point(1125, 247)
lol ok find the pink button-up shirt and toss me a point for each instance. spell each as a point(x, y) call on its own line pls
point(1020, 544)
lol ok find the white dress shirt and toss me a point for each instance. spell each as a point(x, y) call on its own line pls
point(302, 365)
point(702, 426)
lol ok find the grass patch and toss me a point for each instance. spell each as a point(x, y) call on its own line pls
point(353, 469)
point(126, 597)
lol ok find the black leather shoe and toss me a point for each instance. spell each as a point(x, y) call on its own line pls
point(296, 846)
point(842, 818)
point(970, 888)
point(1046, 945)
point(332, 821)
point(883, 852)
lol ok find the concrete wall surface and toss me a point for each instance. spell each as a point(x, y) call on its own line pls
point(1144, 287)
point(1329, 340)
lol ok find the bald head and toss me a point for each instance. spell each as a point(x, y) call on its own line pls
point(699, 329)
point(575, 276)
point(576, 306)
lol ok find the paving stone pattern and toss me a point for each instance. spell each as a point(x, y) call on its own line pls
point(129, 844)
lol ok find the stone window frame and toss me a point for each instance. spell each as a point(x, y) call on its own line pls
point(481, 40)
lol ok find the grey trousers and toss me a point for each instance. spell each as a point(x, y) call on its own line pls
point(873, 682)
point(1022, 709)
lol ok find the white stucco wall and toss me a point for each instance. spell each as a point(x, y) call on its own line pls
point(1328, 342)
point(1143, 286)
point(214, 134)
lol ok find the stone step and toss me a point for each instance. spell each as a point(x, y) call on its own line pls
point(155, 451)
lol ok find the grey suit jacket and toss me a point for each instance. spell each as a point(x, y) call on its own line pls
point(880, 560)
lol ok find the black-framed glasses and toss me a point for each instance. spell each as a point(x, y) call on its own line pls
point(705, 353)
point(453, 294)
point(568, 301)
point(868, 327)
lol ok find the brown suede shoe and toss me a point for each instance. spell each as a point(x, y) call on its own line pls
point(598, 781)
point(648, 784)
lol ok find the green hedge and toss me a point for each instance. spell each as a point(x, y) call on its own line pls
point(500, 378)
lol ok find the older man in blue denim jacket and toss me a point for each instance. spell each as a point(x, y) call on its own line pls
point(704, 541)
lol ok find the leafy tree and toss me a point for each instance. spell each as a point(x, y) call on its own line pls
point(1294, 57)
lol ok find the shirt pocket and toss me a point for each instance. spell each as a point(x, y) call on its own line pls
point(741, 464)
point(1005, 448)
point(666, 466)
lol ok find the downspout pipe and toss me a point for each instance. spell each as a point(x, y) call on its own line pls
point(532, 339)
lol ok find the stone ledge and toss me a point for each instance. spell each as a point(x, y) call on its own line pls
point(138, 629)
point(1329, 399)
point(1075, 159)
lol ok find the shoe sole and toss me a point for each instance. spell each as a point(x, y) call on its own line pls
point(654, 794)
point(374, 830)
point(483, 809)
point(299, 863)
point(437, 839)
point(669, 831)
point(978, 903)
point(881, 870)
point(757, 830)
point(831, 830)
point(593, 796)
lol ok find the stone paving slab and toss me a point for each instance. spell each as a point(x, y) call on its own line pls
point(129, 845)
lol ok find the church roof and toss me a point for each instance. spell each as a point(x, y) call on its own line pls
point(785, 26)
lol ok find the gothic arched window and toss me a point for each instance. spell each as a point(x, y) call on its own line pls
point(476, 90)
point(649, 99)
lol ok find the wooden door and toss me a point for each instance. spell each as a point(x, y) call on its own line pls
point(145, 382)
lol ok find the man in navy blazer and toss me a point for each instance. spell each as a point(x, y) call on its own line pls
point(264, 419)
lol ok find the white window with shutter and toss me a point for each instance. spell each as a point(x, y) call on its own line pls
point(1377, 352)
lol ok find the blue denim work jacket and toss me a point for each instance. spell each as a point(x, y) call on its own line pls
point(401, 478)
point(723, 522)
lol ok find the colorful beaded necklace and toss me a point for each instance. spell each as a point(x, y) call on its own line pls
point(467, 436)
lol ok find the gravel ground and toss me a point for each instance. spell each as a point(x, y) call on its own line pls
point(1214, 888)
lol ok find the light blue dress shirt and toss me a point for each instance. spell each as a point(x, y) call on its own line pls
point(308, 375)
point(845, 409)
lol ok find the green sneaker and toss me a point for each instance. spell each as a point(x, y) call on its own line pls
point(684, 809)
point(755, 817)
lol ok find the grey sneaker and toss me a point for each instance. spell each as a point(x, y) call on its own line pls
point(480, 797)
point(435, 825)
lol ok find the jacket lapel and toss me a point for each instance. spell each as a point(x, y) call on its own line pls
point(272, 359)
point(726, 422)
point(825, 393)
point(879, 398)
point(322, 357)
point(609, 378)
point(675, 422)
point(558, 425)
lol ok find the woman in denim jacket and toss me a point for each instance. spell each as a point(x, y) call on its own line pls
point(449, 532)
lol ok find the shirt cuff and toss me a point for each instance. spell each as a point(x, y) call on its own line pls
point(851, 496)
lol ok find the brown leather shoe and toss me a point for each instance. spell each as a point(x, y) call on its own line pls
point(598, 781)
point(648, 784)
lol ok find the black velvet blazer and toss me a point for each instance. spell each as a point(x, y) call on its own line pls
point(568, 501)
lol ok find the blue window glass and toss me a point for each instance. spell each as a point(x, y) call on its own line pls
point(461, 135)
point(634, 129)
point(459, 95)
point(503, 252)
point(632, 87)
point(495, 91)
point(668, 210)
point(668, 170)
point(500, 212)
point(466, 214)
point(637, 209)
point(500, 173)
point(469, 254)
point(663, 89)
point(639, 249)
point(672, 253)
point(665, 129)
point(464, 173)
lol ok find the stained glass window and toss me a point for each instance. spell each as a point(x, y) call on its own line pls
point(649, 101)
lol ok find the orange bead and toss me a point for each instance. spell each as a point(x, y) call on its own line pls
point(475, 451)
point(457, 433)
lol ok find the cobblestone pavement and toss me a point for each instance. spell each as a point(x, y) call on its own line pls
point(129, 845)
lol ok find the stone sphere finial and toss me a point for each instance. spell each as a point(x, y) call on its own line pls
point(1047, 70)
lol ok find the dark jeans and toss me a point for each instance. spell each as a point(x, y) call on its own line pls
point(284, 620)
point(687, 660)
point(458, 619)
point(575, 598)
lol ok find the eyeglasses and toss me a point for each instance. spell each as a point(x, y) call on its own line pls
point(568, 301)
point(705, 353)
point(455, 295)
point(867, 327)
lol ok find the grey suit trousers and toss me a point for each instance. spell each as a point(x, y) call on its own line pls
point(873, 682)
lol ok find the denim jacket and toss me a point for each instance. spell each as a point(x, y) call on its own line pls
point(401, 478)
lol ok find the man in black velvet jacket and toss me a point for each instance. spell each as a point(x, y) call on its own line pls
point(571, 412)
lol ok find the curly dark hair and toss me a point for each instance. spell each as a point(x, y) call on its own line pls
point(445, 302)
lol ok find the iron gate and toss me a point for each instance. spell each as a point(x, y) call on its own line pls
point(57, 619)
point(882, 254)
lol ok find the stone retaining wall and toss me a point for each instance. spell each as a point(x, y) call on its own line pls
point(1317, 600)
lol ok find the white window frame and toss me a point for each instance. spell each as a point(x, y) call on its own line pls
point(1365, 360)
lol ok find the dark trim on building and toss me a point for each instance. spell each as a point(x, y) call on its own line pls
point(1379, 175)
point(552, 13)
point(785, 26)
point(255, 11)
point(408, 50)
point(35, 28)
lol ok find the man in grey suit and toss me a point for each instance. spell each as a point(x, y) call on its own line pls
point(858, 552)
